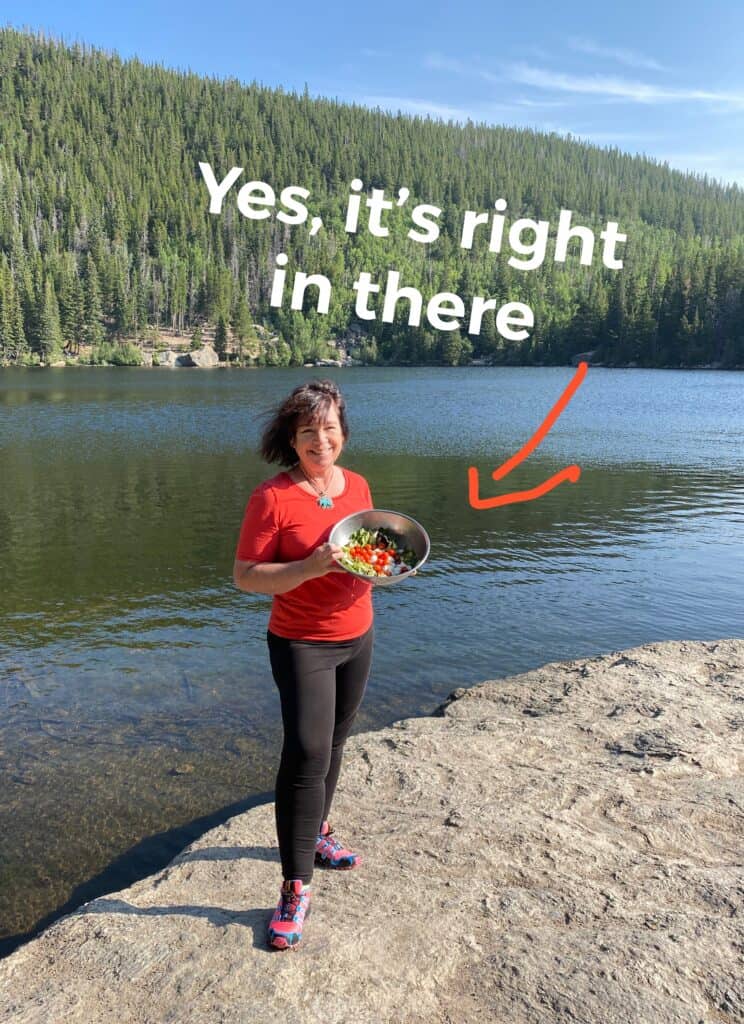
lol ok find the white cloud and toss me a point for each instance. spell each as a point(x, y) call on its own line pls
point(408, 105)
point(524, 102)
point(603, 87)
point(628, 57)
point(635, 92)
point(438, 62)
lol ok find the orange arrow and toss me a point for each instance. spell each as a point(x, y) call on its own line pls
point(571, 473)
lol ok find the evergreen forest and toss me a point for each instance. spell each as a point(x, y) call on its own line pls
point(106, 236)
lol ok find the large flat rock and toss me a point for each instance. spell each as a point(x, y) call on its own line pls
point(562, 845)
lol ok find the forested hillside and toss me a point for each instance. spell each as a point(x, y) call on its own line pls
point(105, 229)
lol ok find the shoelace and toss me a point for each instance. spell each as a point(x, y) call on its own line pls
point(334, 843)
point(291, 902)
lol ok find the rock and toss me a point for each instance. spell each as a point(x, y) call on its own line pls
point(521, 865)
point(205, 357)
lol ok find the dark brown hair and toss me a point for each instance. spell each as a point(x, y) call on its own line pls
point(308, 403)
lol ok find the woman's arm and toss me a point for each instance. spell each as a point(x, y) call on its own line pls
point(280, 577)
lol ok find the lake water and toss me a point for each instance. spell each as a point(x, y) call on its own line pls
point(135, 690)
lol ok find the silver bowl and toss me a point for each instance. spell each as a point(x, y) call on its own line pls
point(403, 529)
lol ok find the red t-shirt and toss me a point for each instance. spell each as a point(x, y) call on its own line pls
point(283, 523)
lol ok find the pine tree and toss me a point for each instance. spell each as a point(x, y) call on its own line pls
point(122, 318)
point(616, 323)
point(451, 348)
point(72, 310)
point(93, 332)
point(243, 329)
point(50, 333)
point(13, 345)
point(220, 338)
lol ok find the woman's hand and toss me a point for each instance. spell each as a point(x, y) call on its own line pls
point(323, 560)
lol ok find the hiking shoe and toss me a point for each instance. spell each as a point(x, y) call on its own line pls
point(330, 853)
point(285, 928)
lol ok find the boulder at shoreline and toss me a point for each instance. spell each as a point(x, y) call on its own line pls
point(565, 845)
point(205, 358)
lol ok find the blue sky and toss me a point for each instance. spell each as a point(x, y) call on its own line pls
point(661, 78)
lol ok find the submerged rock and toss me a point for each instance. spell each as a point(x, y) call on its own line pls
point(562, 845)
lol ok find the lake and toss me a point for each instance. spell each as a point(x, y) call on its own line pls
point(136, 696)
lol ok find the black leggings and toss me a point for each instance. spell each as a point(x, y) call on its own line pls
point(321, 685)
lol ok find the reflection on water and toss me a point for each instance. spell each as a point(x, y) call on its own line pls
point(134, 682)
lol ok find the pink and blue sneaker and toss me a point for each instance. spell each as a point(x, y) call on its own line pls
point(285, 928)
point(330, 853)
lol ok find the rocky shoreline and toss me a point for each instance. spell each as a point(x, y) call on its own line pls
point(206, 358)
point(562, 845)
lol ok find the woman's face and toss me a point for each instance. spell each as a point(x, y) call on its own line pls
point(318, 444)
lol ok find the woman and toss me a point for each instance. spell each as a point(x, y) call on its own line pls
point(320, 630)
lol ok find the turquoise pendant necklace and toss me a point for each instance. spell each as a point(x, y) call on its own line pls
point(324, 500)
